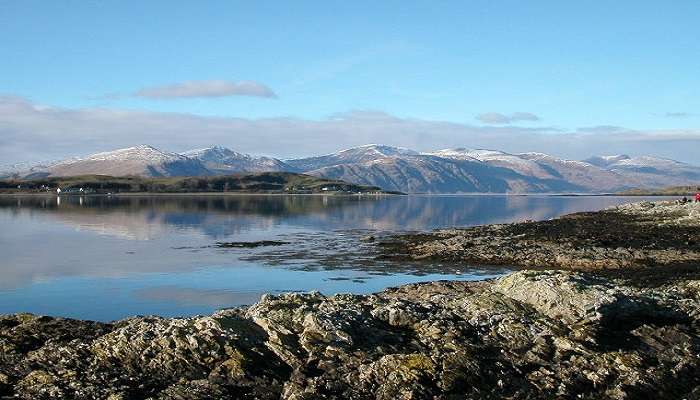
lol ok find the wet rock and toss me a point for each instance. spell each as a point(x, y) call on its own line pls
point(641, 235)
point(249, 245)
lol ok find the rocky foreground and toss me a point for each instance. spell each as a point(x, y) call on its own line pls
point(543, 334)
point(529, 335)
point(662, 234)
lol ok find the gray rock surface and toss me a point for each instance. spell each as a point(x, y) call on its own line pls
point(528, 335)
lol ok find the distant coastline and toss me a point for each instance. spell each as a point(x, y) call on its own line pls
point(330, 193)
point(203, 194)
point(265, 183)
point(247, 184)
point(669, 191)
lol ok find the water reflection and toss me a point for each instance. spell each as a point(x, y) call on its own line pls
point(144, 218)
point(107, 257)
point(196, 296)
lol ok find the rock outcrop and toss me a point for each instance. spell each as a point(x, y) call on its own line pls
point(528, 335)
point(661, 234)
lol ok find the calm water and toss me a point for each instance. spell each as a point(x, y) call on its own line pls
point(105, 258)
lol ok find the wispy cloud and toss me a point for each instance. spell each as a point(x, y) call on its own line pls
point(30, 131)
point(599, 129)
point(213, 88)
point(106, 97)
point(496, 118)
point(678, 115)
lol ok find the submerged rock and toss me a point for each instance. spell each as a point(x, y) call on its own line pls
point(531, 334)
point(249, 245)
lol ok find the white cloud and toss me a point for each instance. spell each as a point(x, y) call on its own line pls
point(214, 88)
point(503, 119)
point(678, 115)
point(32, 132)
point(601, 129)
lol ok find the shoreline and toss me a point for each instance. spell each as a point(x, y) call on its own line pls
point(628, 237)
point(610, 310)
point(529, 334)
point(340, 194)
point(149, 194)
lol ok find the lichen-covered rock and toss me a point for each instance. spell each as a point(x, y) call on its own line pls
point(531, 334)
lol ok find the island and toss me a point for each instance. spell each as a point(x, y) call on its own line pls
point(256, 183)
point(601, 305)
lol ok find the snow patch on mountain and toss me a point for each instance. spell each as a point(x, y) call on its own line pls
point(378, 150)
point(221, 160)
point(498, 159)
point(354, 155)
point(142, 153)
point(648, 171)
point(604, 161)
point(142, 160)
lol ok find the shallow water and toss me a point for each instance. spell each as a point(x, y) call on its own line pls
point(105, 258)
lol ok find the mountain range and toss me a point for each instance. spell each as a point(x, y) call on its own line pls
point(458, 170)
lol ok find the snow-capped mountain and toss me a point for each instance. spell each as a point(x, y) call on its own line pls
point(360, 154)
point(221, 160)
point(395, 168)
point(647, 171)
point(446, 171)
point(580, 173)
point(648, 163)
point(25, 169)
point(497, 158)
point(423, 173)
point(605, 161)
point(462, 170)
point(140, 160)
point(544, 166)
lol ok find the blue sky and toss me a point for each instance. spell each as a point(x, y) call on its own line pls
point(629, 64)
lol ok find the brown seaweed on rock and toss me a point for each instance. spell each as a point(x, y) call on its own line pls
point(660, 235)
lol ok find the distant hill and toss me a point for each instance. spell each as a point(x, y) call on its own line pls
point(430, 174)
point(458, 170)
point(649, 172)
point(478, 170)
point(668, 191)
point(548, 173)
point(265, 182)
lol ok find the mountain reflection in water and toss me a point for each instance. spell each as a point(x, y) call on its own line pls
point(107, 257)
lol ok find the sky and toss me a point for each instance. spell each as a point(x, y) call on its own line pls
point(291, 79)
